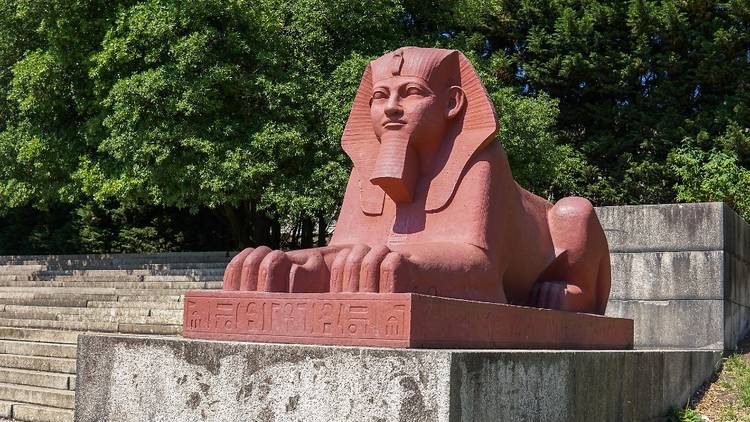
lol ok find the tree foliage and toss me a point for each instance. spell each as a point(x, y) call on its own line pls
point(122, 121)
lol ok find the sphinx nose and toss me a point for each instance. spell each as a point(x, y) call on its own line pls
point(393, 108)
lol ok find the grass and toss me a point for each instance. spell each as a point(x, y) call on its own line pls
point(727, 399)
point(685, 415)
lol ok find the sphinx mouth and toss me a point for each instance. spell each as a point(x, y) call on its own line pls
point(394, 124)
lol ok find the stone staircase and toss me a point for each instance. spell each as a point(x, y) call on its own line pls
point(46, 301)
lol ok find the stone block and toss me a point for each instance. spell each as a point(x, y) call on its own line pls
point(148, 378)
point(685, 324)
point(667, 275)
point(668, 227)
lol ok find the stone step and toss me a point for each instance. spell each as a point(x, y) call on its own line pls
point(38, 311)
point(118, 278)
point(174, 278)
point(36, 348)
point(33, 413)
point(163, 304)
point(7, 297)
point(188, 265)
point(122, 319)
point(107, 327)
point(156, 329)
point(140, 325)
point(178, 285)
point(148, 298)
point(65, 301)
point(88, 292)
point(16, 277)
point(15, 267)
point(167, 313)
point(209, 256)
point(37, 378)
point(38, 335)
point(6, 410)
point(102, 272)
point(37, 395)
point(87, 278)
point(38, 363)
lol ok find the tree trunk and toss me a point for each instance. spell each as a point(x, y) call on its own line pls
point(275, 233)
point(261, 229)
point(295, 236)
point(238, 225)
point(306, 240)
point(322, 230)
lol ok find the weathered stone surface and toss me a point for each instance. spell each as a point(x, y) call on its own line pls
point(737, 279)
point(669, 227)
point(736, 323)
point(736, 234)
point(135, 379)
point(667, 275)
point(688, 324)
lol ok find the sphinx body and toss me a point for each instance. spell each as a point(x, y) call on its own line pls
point(431, 206)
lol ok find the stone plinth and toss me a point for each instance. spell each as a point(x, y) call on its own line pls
point(158, 379)
point(394, 320)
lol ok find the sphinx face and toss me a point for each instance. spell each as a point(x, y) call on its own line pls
point(409, 120)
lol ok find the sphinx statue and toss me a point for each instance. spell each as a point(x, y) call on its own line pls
point(431, 206)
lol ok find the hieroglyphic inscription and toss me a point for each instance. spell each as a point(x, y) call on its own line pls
point(336, 318)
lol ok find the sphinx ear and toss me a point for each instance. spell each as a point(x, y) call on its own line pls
point(456, 102)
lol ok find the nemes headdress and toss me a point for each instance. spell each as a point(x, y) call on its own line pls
point(439, 68)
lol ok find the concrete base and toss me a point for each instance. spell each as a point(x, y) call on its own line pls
point(150, 379)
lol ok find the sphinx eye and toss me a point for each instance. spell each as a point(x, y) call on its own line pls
point(379, 95)
point(414, 90)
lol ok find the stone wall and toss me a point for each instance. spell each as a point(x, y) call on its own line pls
point(680, 271)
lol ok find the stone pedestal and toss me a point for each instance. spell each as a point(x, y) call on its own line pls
point(394, 320)
point(157, 379)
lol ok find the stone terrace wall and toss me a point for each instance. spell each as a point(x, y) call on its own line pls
point(681, 272)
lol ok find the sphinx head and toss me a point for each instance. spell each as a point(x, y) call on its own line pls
point(418, 112)
point(415, 97)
